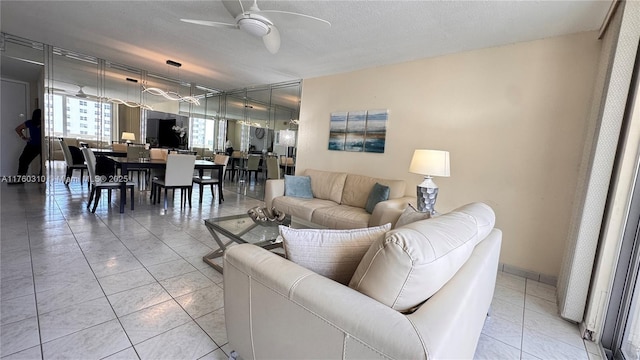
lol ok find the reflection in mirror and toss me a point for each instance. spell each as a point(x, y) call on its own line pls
point(254, 117)
point(86, 99)
point(122, 92)
point(22, 79)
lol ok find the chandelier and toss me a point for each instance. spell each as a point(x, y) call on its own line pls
point(171, 95)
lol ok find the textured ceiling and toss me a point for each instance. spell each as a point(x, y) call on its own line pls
point(144, 34)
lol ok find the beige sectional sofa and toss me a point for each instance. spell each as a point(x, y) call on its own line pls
point(339, 200)
point(56, 151)
point(421, 291)
point(202, 153)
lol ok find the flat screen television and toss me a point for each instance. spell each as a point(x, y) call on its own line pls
point(166, 136)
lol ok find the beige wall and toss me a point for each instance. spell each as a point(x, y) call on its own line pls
point(512, 117)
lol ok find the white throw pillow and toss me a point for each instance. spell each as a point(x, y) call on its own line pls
point(334, 254)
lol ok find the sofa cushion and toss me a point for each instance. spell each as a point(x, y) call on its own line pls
point(334, 254)
point(341, 217)
point(413, 262)
point(357, 188)
point(327, 185)
point(411, 214)
point(302, 208)
point(378, 193)
point(298, 186)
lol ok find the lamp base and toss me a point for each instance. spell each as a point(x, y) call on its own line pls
point(427, 193)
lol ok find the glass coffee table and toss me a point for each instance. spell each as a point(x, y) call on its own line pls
point(241, 229)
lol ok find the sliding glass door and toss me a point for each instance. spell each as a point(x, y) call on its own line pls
point(630, 346)
point(621, 332)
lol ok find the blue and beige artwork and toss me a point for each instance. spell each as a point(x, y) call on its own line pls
point(376, 131)
point(338, 130)
point(361, 131)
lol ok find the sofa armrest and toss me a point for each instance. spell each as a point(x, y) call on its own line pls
point(272, 189)
point(465, 298)
point(389, 211)
point(277, 309)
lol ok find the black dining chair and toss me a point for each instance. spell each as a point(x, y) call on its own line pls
point(212, 180)
point(99, 183)
point(78, 164)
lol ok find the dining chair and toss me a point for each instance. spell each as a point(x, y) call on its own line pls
point(71, 165)
point(119, 147)
point(234, 168)
point(178, 175)
point(134, 152)
point(252, 166)
point(287, 164)
point(99, 183)
point(211, 179)
point(273, 168)
point(155, 173)
point(158, 154)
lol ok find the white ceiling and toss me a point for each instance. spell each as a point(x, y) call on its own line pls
point(364, 34)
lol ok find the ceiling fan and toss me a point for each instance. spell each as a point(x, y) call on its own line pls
point(80, 93)
point(255, 22)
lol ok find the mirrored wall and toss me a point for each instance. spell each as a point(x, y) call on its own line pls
point(93, 100)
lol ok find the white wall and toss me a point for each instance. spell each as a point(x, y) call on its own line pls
point(512, 117)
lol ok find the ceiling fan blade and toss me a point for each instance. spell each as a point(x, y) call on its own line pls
point(272, 40)
point(293, 19)
point(210, 23)
point(234, 7)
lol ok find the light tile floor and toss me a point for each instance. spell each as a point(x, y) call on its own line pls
point(78, 285)
point(524, 324)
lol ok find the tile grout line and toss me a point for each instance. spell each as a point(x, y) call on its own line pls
point(35, 293)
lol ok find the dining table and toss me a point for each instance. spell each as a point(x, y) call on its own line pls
point(108, 152)
point(126, 164)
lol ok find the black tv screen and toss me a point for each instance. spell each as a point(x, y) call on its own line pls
point(166, 136)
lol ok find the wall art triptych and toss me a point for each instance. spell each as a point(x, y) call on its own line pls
point(361, 131)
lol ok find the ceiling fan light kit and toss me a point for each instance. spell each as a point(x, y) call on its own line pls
point(255, 25)
point(253, 22)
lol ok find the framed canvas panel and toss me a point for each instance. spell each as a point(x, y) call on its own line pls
point(337, 130)
point(376, 131)
point(356, 126)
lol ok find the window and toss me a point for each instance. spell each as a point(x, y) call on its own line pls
point(71, 118)
point(202, 133)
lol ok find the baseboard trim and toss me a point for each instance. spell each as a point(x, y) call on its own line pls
point(513, 270)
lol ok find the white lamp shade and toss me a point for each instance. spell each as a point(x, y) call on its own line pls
point(128, 136)
point(430, 162)
point(287, 138)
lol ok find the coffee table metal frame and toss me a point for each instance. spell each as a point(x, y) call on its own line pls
point(248, 224)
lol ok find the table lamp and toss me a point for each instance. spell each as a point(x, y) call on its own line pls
point(429, 163)
point(128, 136)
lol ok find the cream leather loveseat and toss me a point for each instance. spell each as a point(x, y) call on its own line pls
point(339, 200)
point(421, 291)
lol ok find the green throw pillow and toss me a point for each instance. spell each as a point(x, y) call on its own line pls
point(377, 194)
point(298, 186)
